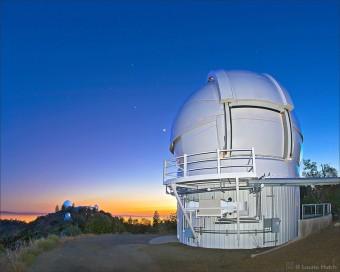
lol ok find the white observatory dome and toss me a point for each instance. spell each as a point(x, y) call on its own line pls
point(231, 135)
point(67, 216)
point(67, 204)
point(239, 109)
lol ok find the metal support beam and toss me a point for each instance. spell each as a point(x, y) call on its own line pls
point(295, 181)
point(173, 186)
point(253, 158)
point(238, 211)
point(218, 162)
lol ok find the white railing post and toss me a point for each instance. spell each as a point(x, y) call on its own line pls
point(323, 209)
point(218, 162)
point(315, 209)
point(303, 213)
point(253, 159)
point(238, 211)
point(185, 165)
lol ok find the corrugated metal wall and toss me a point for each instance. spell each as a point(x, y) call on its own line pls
point(276, 202)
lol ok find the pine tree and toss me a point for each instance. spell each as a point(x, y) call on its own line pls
point(156, 219)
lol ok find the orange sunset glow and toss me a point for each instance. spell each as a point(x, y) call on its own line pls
point(128, 203)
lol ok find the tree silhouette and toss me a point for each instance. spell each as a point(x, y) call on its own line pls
point(156, 219)
point(324, 193)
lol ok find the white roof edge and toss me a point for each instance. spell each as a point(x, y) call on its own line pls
point(226, 91)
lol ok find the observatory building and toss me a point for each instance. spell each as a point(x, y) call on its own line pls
point(235, 171)
point(67, 204)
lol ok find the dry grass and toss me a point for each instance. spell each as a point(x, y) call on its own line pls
point(24, 254)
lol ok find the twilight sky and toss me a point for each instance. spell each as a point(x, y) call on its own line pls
point(89, 86)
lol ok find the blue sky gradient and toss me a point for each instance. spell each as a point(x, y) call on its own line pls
point(88, 87)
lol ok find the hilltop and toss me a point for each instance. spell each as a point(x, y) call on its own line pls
point(80, 220)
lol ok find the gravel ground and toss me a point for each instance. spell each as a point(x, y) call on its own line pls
point(128, 252)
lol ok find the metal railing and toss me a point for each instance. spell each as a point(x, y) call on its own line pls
point(315, 210)
point(218, 162)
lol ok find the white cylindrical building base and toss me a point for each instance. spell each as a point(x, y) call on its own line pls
point(278, 202)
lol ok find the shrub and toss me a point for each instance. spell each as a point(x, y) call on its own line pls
point(99, 223)
point(35, 250)
point(53, 237)
point(71, 230)
point(47, 244)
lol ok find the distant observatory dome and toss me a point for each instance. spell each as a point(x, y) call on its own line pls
point(67, 216)
point(67, 204)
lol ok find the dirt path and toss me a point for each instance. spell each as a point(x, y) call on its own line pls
point(98, 253)
point(127, 252)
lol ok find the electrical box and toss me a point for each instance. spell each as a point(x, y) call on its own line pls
point(267, 223)
point(276, 225)
point(273, 224)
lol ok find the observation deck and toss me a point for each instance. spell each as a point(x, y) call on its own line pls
point(209, 166)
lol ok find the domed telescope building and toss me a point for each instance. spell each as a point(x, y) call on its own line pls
point(235, 172)
point(67, 204)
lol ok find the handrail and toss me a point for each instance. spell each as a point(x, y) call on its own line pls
point(218, 162)
point(326, 209)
